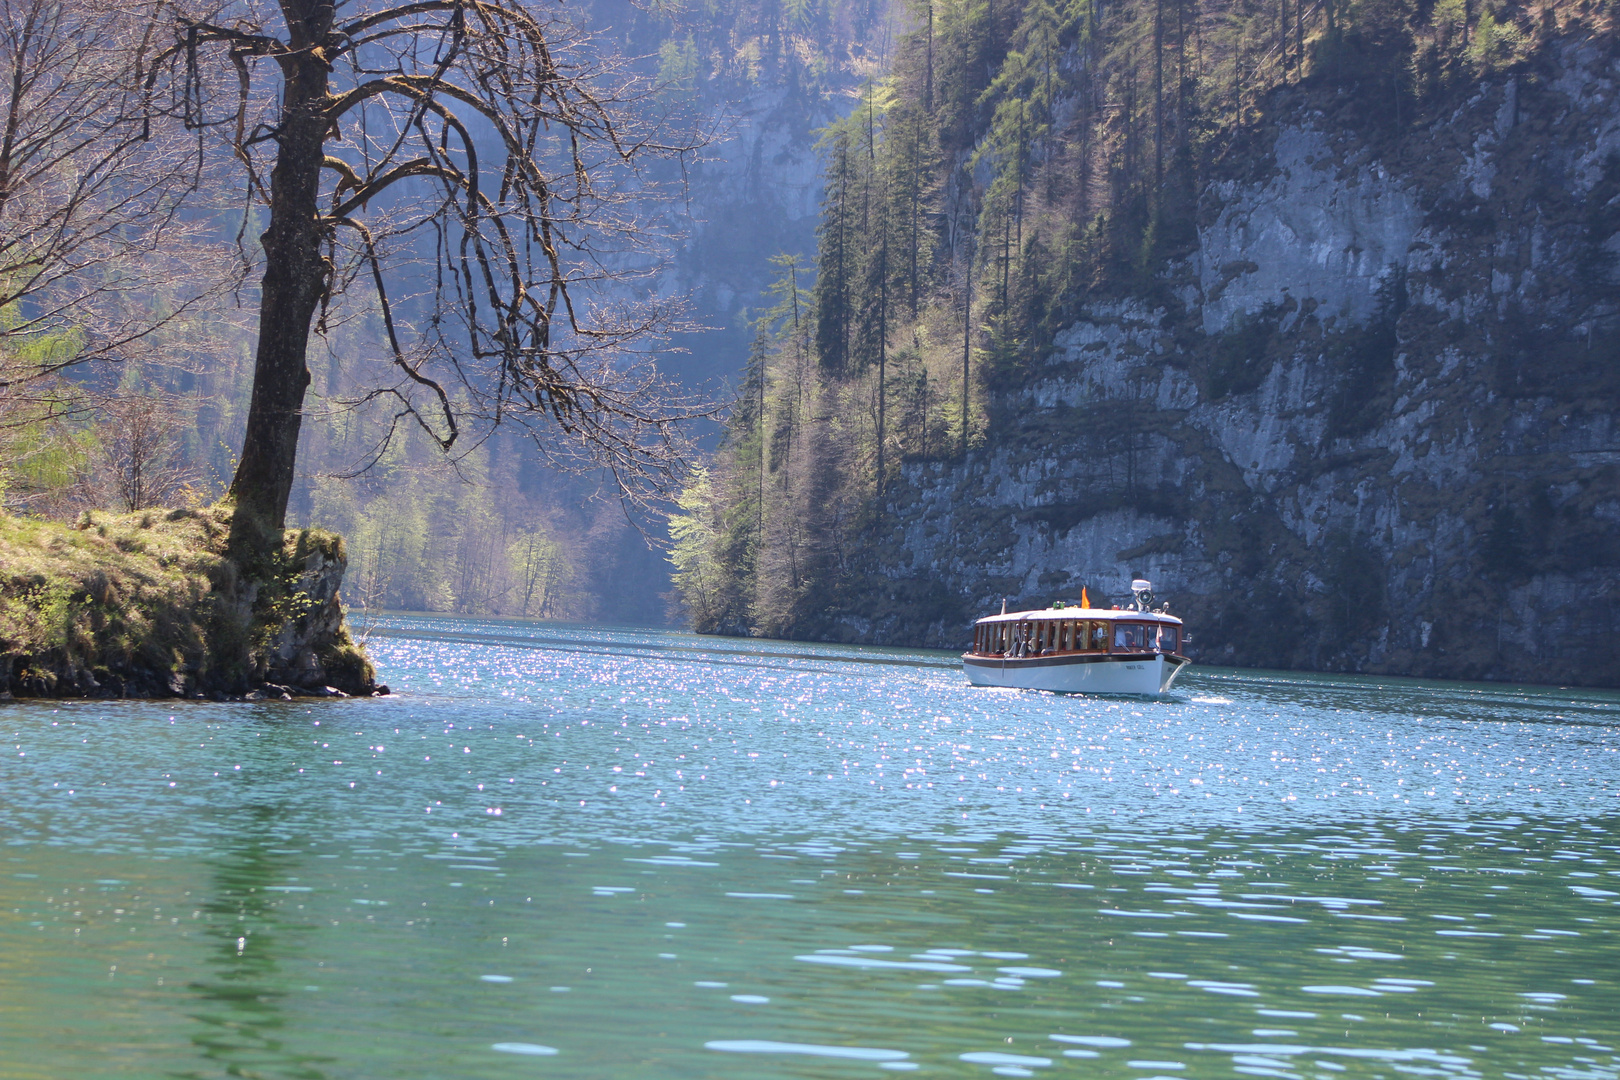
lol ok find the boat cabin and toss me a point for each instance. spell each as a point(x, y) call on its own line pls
point(1070, 630)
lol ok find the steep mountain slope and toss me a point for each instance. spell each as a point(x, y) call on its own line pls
point(1358, 414)
point(1377, 432)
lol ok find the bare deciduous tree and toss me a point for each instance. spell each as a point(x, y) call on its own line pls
point(95, 256)
point(139, 447)
point(79, 451)
point(471, 166)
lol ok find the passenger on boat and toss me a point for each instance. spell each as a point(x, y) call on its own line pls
point(1128, 636)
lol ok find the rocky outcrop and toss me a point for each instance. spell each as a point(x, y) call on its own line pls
point(1368, 427)
point(149, 605)
point(305, 647)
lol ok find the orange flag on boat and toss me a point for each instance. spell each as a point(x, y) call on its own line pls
point(1085, 601)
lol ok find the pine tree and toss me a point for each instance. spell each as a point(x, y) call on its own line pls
point(835, 261)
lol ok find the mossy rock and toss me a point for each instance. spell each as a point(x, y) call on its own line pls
point(148, 604)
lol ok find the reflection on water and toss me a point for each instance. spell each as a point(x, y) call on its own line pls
point(580, 852)
point(243, 1017)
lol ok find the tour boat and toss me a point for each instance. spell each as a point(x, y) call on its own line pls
point(1080, 649)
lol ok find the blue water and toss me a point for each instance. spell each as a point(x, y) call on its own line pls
point(569, 851)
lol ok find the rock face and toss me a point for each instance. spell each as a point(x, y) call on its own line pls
point(1371, 429)
point(755, 195)
point(311, 649)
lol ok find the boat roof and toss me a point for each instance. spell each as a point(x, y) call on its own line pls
point(1074, 611)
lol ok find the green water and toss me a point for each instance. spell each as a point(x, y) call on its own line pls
point(582, 852)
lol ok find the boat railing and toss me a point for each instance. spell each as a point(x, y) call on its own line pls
point(1070, 637)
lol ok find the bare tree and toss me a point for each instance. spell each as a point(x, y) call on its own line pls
point(95, 257)
point(539, 566)
point(140, 450)
point(470, 165)
point(81, 451)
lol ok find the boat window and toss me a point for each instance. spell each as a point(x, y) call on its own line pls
point(1095, 637)
point(1169, 638)
point(1130, 636)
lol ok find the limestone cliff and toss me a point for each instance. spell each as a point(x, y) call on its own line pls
point(751, 197)
point(1368, 426)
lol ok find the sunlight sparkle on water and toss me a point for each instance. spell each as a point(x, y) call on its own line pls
point(742, 858)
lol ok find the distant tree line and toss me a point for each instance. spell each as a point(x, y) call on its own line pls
point(491, 536)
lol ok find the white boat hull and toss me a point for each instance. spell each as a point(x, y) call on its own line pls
point(1150, 673)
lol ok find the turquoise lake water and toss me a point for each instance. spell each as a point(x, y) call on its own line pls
point(568, 851)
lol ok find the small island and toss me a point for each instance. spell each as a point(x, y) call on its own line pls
point(149, 604)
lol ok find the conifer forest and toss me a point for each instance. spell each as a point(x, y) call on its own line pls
point(1021, 363)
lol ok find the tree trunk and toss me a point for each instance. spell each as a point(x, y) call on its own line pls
point(295, 278)
point(883, 345)
point(1158, 100)
point(967, 344)
point(928, 84)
